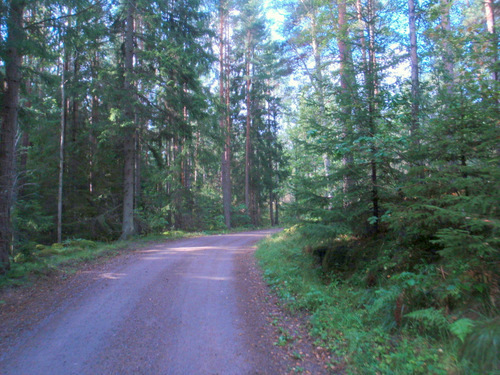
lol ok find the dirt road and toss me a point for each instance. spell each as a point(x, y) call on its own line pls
point(175, 308)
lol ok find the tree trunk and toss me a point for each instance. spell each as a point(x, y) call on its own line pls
point(372, 83)
point(415, 85)
point(128, 227)
point(362, 39)
point(224, 121)
point(9, 128)
point(248, 148)
point(317, 82)
point(276, 212)
point(137, 167)
point(94, 120)
point(448, 55)
point(271, 213)
point(23, 155)
point(489, 11)
point(62, 136)
point(345, 83)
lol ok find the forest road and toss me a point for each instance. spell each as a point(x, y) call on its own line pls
point(173, 308)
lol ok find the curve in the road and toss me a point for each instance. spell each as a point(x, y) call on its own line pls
point(170, 309)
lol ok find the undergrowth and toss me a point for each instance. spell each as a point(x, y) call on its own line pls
point(375, 316)
point(34, 260)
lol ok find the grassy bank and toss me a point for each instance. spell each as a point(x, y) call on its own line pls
point(34, 260)
point(37, 261)
point(363, 323)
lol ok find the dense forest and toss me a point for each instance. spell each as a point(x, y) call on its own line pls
point(123, 117)
point(370, 126)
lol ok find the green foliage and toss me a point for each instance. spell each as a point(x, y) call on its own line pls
point(461, 328)
point(36, 260)
point(402, 324)
point(80, 243)
point(431, 320)
point(482, 346)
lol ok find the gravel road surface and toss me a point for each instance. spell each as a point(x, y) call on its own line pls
point(180, 307)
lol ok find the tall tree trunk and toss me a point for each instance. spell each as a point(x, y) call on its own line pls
point(25, 143)
point(138, 166)
point(94, 120)
point(276, 211)
point(372, 84)
point(9, 126)
point(62, 141)
point(271, 213)
point(248, 148)
point(73, 150)
point(415, 85)
point(317, 82)
point(489, 11)
point(224, 121)
point(345, 83)
point(129, 143)
point(362, 39)
point(448, 54)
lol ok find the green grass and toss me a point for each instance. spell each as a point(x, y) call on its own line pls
point(356, 323)
point(37, 261)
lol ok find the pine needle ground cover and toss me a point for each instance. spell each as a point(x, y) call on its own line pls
point(378, 319)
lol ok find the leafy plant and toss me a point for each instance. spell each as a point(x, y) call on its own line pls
point(430, 320)
point(461, 328)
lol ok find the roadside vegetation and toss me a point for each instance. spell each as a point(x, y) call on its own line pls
point(34, 261)
point(380, 312)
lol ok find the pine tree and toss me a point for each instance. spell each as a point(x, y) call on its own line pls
point(225, 118)
point(129, 127)
point(9, 126)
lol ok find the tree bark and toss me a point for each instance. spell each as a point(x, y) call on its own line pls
point(271, 213)
point(9, 127)
point(62, 136)
point(23, 155)
point(317, 82)
point(224, 121)
point(345, 83)
point(489, 11)
point(128, 227)
point(372, 84)
point(415, 84)
point(362, 39)
point(276, 212)
point(448, 55)
point(248, 149)
point(94, 120)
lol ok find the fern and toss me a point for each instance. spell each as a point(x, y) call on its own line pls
point(430, 319)
point(461, 328)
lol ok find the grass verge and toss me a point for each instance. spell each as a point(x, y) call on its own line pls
point(34, 261)
point(37, 261)
point(357, 324)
